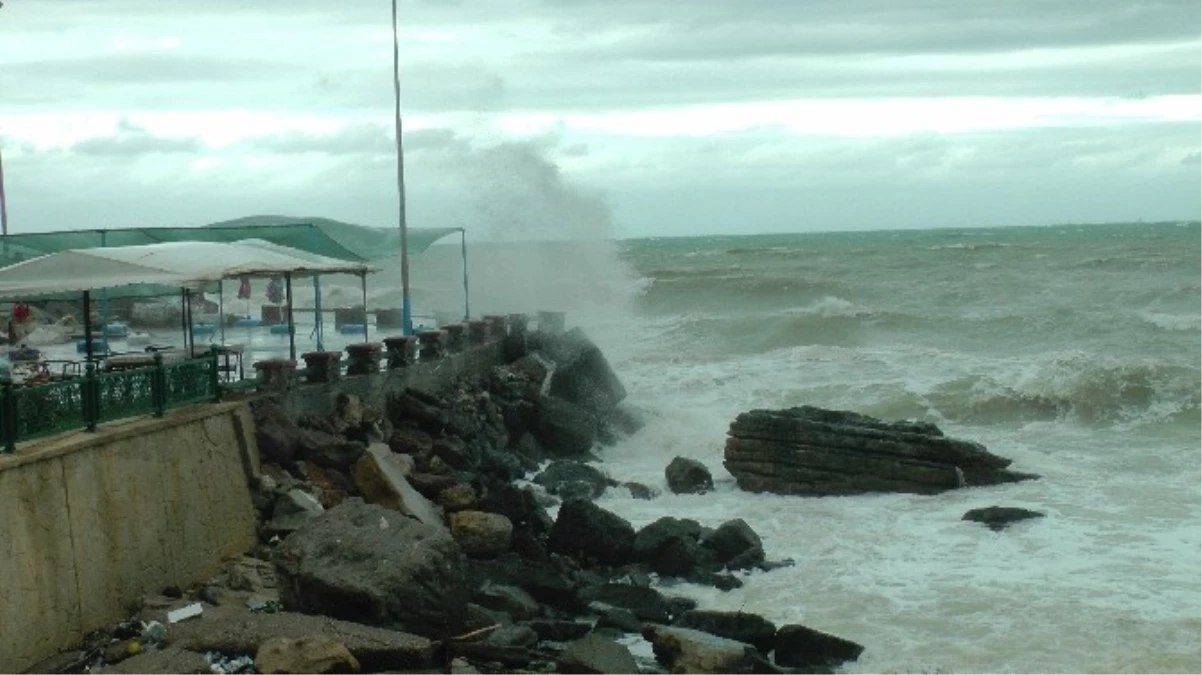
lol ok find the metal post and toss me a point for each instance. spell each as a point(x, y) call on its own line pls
point(291, 325)
point(104, 302)
point(318, 325)
point(406, 310)
point(363, 283)
point(467, 308)
point(87, 325)
point(183, 316)
point(221, 308)
point(3, 200)
point(190, 343)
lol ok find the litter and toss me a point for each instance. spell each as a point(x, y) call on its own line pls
point(220, 663)
point(185, 612)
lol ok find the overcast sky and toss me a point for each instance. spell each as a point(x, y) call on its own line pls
point(596, 118)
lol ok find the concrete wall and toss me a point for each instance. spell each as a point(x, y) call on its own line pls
point(91, 522)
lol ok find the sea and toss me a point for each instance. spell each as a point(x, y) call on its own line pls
point(1072, 350)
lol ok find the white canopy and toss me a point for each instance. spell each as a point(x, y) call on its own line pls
point(180, 264)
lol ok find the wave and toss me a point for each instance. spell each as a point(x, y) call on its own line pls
point(1173, 322)
point(985, 246)
point(1072, 387)
point(732, 289)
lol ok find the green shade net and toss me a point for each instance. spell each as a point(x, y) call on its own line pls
point(322, 236)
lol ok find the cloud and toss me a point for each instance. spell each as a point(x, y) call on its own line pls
point(371, 139)
point(132, 140)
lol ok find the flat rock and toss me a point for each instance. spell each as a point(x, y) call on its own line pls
point(480, 534)
point(684, 650)
point(380, 476)
point(753, 629)
point(799, 646)
point(568, 478)
point(309, 654)
point(596, 654)
point(998, 518)
point(171, 659)
point(238, 631)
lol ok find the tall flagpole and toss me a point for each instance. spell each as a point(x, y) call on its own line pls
point(3, 199)
point(406, 310)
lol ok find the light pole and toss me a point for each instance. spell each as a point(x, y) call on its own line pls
point(406, 309)
point(3, 199)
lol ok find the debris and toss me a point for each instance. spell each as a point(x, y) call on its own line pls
point(185, 612)
point(220, 663)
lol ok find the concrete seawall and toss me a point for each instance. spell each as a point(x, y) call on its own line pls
point(90, 522)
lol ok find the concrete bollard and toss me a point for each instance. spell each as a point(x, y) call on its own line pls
point(364, 358)
point(322, 366)
point(552, 323)
point(455, 337)
point(433, 344)
point(274, 374)
point(401, 350)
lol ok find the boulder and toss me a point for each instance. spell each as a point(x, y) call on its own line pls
point(735, 545)
point(548, 581)
point(430, 485)
point(671, 546)
point(813, 452)
point(688, 476)
point(998, 518)
point(644, 602)
point(753, 629)
point(328, 450)
point(481, 535)
point(420, 409)
point(410, 440)
point(348, 412)
point(309, 654)
point(559, 630)
point(458, 497)
point(801, 647)
point(275, 432)
point(293, 509)
point(564, 429)
point(596, 654)
point(512, 600)
point(519, 505)
point(582, 375)
point(588, 532)
point(640, 491)
point(453, 451)
point(568, 479)
point(512, 635)
point(683, 650)
point(366, 563)
point(618, 618)
point(331, 485)
point(380, 477)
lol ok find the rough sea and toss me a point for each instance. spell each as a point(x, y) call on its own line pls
point(1072, 350)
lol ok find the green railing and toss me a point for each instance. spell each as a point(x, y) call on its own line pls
point(39, 410)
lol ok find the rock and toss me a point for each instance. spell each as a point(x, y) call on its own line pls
point(801, 647)
point(425, 411)
point(380, 476)
point(735, 544)
point(456, 498)
point(310, 654)
point(564, 429)
point(293, 509)
point(512, 600)
point(595, 654)
point(684, 650)
point(547, 581)
point(481, 535)
point(645, 603)
point(688, 476)
point(362, 562)
point(348, 412)
point(237, 631)
point(411, 441)
point(514, 635)
point(564, 478)
point(557, 630)
point(671, 546)
point(618, 618)
point(640, 491)
point(171, 659)
point(582, 375)
point(430, 485)
point(813, 452)
point(453, 451)
point(519, 505)
point(275, 432)
point(998, 518)
point(753, 629)
point(327, 450)
point(332, 485)
point(586, 532)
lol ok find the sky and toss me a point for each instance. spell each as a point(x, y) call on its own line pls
point(603, 118)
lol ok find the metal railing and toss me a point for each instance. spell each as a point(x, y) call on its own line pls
point(39, 410)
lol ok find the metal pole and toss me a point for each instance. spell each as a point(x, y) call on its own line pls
point(87, 325)
point(104, 302)
point(363, 282)
point(318, 325)
point(221, 308)
point(467, 308)
point(3, 199)
point(291, 325)
point(190, 343)
point(406, 310)
point(183, 315)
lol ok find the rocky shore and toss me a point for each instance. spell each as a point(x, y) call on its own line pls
point(455, 531)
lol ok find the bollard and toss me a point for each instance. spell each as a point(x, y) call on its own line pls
point(364, 358)
point(401, 350)
point(455, 337)
point(551, 323)
point(322, 366)
point(477, 332)
point(519, 324)
point(433, 344)
point(274, 374)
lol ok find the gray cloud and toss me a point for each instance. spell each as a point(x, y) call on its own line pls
point(371, 139)
point(132, 140)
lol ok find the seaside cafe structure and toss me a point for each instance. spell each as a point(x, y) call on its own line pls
point(313, 237)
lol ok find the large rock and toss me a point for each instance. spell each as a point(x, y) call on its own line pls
point(328, 450)
point(671, 546)
point(291, 510)
point(683, 650)
point(811, 451)
point(275, 433)
point(589, 533)
point(998, 518)
point(231, 630)
point(753, 629)
point(644, 602)
point(596, 654)
point(735, 545)
point(688, 476)
point(582, 375)
point(418, 408)
point(380, 476)
point(547, 581)
point(801, 647)
point(366, 563)
point(568, 478)
point(564, 429)
point(481, 535)
point(309, 654)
